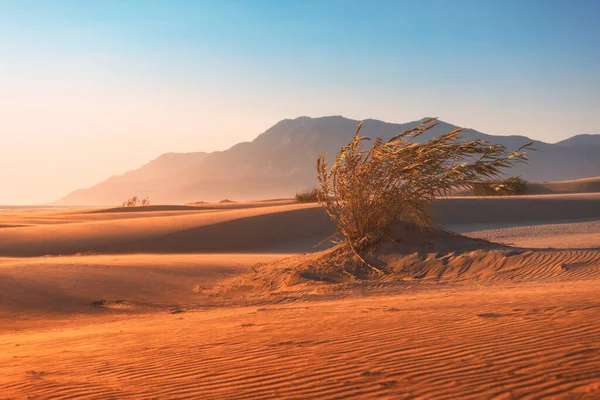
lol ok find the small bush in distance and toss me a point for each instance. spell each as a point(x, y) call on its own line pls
point(226, 201)
point(510, 187)
point(367, 190)
point(307, 196)
point(135, 201)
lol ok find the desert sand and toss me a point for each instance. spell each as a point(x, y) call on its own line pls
point(584, 185)
point(573, 186)
point(145, 303)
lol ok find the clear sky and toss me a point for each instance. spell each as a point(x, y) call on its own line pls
point(89, 89)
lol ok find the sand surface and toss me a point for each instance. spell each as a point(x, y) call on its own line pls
point(134, 314)
point(273, 228)
point(499, 342)
point(582, 234)
point(585, 185)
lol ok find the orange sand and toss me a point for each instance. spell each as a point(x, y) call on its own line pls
point(125, 322)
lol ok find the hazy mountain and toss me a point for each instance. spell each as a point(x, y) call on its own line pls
point(282, 160)
point(580, 140)
point(152, 180)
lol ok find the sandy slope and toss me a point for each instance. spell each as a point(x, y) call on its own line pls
point(477, 324)
point(236, 230)
point(585, 185)
point(574, 186)
point(517, 210)
point(48, 290)
point(491, 342)
point(274, 227)
point(558, 235)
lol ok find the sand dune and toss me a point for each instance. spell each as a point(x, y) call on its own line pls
point(431, 258)
point(454, 318)
point(176, 232)
point(517, 209)
point(572, 235)
point(41, 290)
point(574, 186)
point(282, 228)
point(144, 209)
point(234, 205)
point(495, 342)
point(585, 185)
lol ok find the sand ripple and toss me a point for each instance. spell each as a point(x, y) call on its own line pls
point(532, 342)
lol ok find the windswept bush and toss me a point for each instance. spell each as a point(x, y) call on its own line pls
point(366, 190)
point(512, 186)
point(307, 196)
point(135, 201)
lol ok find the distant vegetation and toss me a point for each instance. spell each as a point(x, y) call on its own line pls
point(509, 187)
point(367, 190)
point(135, 201)
point(226, 201)
point(307, 196)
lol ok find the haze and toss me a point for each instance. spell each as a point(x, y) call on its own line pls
point(93, 89)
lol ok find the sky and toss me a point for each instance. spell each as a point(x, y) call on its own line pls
point(90, 89)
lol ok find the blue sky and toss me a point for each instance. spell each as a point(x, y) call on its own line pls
point(109, 85)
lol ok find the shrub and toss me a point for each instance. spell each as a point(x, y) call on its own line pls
point(512, 186)
point(226, 201)
point(307, 196)
point(136, 202)
point(366, 191)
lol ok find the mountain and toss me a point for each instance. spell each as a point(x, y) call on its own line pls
point(282, 160)
point(580, 140)
point(152, 179)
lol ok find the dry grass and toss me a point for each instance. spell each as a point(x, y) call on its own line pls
point(367, 190)
point(307, 196)
point(509, 187)
point(136, 201)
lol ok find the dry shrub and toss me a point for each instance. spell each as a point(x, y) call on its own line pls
point(224, 201)
point(366, 191)
point(307, 196)
point(512, 186)
point(135, 201)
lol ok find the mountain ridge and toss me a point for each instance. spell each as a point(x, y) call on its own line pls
point(281, 161)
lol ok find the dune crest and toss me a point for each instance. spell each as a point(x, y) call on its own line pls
point(433, 256)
